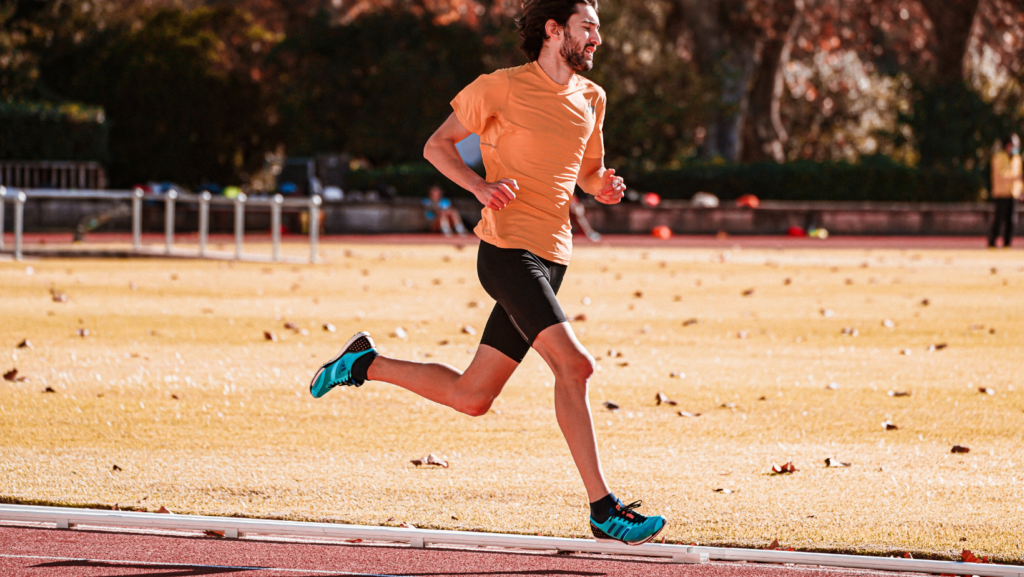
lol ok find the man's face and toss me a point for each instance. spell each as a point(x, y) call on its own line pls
point(580, 38)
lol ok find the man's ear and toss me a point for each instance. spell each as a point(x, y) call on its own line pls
point(552, 29)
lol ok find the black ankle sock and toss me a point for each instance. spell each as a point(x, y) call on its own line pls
point(362, 365)
point(601, 509)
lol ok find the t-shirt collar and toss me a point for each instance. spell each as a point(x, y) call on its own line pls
point(556, 87)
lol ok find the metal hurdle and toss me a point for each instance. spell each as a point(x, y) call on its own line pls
point(171, 200)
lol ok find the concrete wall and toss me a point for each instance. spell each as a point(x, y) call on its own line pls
point(406, 215)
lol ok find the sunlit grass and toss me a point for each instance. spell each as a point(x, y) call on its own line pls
point(176, 385)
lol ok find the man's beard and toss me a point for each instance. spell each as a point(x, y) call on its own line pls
point(575, 56)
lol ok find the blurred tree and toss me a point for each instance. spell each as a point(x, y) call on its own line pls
point(378, 86)
point(181, 92)
point(952, 21)
point(764, 133)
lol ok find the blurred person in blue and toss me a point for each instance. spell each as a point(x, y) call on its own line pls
point(1007, 189)
point(441, 215)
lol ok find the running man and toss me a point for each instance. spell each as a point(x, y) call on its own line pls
point(540, 135)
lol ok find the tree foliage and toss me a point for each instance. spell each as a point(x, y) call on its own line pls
point(197, 89)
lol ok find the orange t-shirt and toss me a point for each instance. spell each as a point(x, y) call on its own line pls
point(535, 131)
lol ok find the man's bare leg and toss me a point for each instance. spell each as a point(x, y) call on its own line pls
point(573, 366)
point(470, 392)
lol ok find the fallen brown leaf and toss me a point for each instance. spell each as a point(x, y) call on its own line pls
point(925, 302)
point(270, 336)
point(405, 525)
point(833, 462)
point(579, 318)
point(469, 330)
point(774, 545)
point(25, 344)
point(58, 297)
point(212, 533)
point(330, 328)
point(960, 449)
point(11, 375)
point(639, 294)
point(725, 491)
point(82, 333)
point(937, 347)
point(116, 468)
point(786, 469)
point(48, 389)
point(986, 390)
point(748, 292)
point(661, 398)
point(611, 406)
point(889, 426)
point(899, 393)
point(432, 460)
point(827, 313)
point(688, 414)
point(689, 322)
point(292, 326)
point(164, 510)
point(850, 331)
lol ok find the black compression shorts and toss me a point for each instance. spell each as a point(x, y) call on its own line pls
point(524, 286)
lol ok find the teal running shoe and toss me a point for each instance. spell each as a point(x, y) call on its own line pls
point(338, 371)
point(627, 526)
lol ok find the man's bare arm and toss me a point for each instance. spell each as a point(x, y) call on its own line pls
point(441, 152)
point(601, 182)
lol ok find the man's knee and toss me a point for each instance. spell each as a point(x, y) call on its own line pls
point(474, 406)
point(476, 395)
point(578, 369)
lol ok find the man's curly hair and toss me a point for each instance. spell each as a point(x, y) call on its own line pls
point(536, 14)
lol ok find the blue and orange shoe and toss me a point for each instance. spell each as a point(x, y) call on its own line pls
point(338, 371)
point(625, 525)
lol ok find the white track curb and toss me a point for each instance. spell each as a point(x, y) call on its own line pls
point(65, 518)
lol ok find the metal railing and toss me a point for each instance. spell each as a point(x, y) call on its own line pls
point(58, 174)
point(171, 200)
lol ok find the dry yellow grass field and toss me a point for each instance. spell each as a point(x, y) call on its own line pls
point(176, 385)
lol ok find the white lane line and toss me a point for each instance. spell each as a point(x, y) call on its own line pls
point(237, 567)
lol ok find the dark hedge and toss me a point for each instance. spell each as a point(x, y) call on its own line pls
point(873, 180)
point(42, 131)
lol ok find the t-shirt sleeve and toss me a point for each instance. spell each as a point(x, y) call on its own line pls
point(482, 100)
point(595, 146)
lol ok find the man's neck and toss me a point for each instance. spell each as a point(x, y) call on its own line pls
point(552, 63)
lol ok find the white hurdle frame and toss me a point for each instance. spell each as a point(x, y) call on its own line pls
point(171, 199)
point(235, 528)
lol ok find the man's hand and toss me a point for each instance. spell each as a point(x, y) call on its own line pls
point(613, 188)
point(496, 195)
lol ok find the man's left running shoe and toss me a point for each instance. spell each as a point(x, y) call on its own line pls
point(625, 525)
point(338, 371)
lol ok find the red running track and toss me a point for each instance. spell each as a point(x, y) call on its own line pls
point(31, 550)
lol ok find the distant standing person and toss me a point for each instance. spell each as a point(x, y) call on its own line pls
point(1007, 189)
point(440, 214)
point(540, 128)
